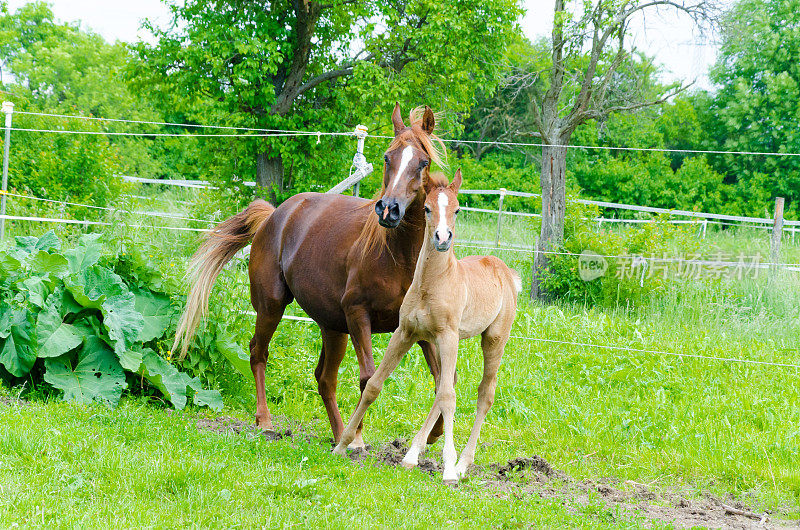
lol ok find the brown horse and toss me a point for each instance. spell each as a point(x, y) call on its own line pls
point(347, 261)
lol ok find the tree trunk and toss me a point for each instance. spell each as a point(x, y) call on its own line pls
point(554, 200)
point(269, 172)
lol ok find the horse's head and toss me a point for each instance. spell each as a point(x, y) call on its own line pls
point(406, 169)
point(441, 209)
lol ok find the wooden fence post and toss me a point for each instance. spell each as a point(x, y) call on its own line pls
point(777, 233)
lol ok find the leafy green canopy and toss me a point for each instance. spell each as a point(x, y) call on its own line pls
point(55, 67)
point(85, 325)
point(758, 101)
point(327, 67)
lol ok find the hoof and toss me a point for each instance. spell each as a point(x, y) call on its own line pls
point(265, 424)
point(451, 482)
point(408, 465)
point(339, 450)
point(451, 479)
point(358, 443)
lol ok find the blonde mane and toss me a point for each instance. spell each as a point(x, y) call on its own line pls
point(373, 235)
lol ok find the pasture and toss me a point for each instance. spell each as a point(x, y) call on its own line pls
point(626, 438)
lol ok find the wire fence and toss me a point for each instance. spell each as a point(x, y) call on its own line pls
point(588, 345)
point(290, 132)
point(699, 218)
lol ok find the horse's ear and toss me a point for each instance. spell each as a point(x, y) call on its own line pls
point(429, 183)
point(397, 119)
point(428, 121)
point(457, 181)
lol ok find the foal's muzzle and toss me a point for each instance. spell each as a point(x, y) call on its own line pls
point(389, 212)
point(442, 246)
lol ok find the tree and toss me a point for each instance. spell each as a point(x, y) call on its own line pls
point(577, 86)
point(303, 63)
point(57, 67)
point(758, 101)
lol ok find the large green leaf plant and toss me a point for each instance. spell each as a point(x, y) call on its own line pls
point(67, 316)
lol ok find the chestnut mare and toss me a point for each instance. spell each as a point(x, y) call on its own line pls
point(347, 261)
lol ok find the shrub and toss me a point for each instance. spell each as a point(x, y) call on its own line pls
point(626, 281)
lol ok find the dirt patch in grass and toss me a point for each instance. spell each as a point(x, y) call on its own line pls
point(283, 427)
point(392, 454)
point(536, 476)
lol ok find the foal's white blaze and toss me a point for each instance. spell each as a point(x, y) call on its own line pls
point(408, 152)
point(441, 228)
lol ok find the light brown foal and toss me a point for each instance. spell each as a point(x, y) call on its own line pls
point(449, 300)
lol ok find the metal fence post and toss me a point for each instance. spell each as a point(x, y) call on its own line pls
point(8, 109)
point(499, 216)
point(361, 134)
point(777, 232)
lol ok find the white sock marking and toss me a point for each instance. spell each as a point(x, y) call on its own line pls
point(441, 228)
point(408, 152)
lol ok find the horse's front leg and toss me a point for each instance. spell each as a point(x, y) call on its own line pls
point(360, 327)
point(399, 345)
point(445, 403)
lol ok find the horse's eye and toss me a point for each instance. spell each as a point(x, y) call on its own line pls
point(386, 158)
point(423, 164)
point(427, 210)
point(458, 210)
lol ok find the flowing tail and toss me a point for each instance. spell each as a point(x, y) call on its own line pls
point(221, 244)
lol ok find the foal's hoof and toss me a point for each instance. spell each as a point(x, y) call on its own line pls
point(408, 465)
point(357, 443)
point(340, 450)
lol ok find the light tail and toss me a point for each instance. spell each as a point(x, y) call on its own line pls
point(517, 281)
point(220, 246)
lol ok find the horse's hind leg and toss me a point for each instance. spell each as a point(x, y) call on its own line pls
point(334, 345)
point(269, 300)
point(493, 347)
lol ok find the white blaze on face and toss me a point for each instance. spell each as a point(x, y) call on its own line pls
point(408, 153)
point(441, 228)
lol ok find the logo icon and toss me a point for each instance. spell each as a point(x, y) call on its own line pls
point(591, 265)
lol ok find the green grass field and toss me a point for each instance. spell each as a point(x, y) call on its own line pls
point(690, 427)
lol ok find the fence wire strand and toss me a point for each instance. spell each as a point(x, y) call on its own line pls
point(289, 132)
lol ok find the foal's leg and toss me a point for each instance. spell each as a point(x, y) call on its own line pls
point(445, 401)
point(493, 347)
point(399, 345)
point(432, 358)
point(334, 345)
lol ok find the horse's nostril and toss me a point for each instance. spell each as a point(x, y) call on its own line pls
point(379, 207)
